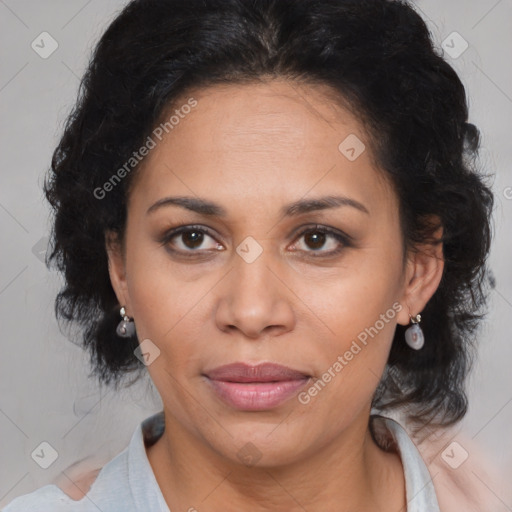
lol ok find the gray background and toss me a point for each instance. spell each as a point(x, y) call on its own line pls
point(45, 392)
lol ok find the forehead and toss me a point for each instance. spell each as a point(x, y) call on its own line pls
point(268, 139)
point(271, 116)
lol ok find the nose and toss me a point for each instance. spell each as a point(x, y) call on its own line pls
point(255, 299)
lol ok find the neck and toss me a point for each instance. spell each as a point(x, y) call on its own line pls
point(348, 473)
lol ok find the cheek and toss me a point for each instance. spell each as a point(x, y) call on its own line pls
point(169, 310)
point(353, 296)
point(353, 357)
point(358, 307)
point(363, 332)
point(156, 295)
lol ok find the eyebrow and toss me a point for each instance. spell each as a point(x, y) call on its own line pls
point(209, 208)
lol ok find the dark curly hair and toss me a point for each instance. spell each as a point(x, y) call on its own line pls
point(378, 58)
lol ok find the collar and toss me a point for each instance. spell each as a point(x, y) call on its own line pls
point(420, 492)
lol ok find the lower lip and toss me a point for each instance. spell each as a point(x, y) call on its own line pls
point(256, 396)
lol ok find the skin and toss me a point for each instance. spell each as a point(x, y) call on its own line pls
point(252, 149)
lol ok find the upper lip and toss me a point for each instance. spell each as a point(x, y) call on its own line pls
point(264, 372)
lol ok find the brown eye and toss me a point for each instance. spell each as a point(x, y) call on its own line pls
point(190, 239)
point(320, 241)
point(315, 239)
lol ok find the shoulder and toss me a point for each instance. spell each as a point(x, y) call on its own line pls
point(94, 484)
point(458, 466)
point(41, 500)
point(76, 487)
point(79, 488)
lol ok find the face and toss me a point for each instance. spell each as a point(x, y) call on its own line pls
point(264, 275)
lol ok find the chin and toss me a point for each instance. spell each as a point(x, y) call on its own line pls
point(260, 446)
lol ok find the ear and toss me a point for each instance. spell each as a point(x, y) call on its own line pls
point(117, 269)
point(423, 273)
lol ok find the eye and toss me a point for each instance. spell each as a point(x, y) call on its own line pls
point(317, 238)
point(199, 239)
point(190, 239)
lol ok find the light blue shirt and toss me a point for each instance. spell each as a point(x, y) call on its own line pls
point(127, 483)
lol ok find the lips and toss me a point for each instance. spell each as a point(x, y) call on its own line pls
point(265, 372)
point(255, 388)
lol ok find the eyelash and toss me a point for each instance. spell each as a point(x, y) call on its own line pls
point(344, 239)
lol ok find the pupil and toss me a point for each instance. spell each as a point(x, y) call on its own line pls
point(194, 237)
point(318, 240)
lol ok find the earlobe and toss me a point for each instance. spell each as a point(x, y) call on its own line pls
point(116, 268)
point(425, 266)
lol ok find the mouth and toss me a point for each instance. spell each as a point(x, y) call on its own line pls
point(255, 388)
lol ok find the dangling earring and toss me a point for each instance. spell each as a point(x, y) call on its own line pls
point(126, 327)
point(414, 335)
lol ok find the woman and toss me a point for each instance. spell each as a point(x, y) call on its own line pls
point(270, 206)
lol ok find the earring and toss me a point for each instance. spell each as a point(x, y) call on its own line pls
point(126, 327)
point(414, 335)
